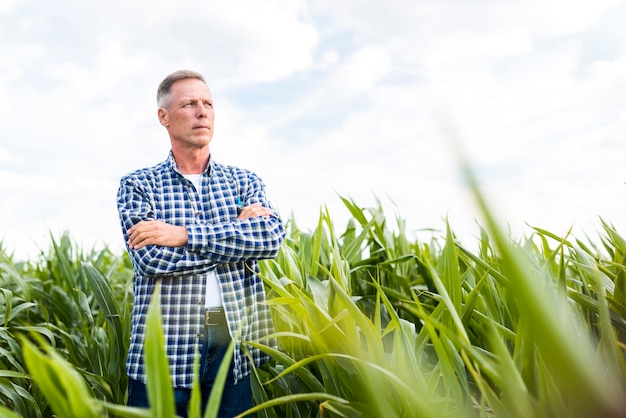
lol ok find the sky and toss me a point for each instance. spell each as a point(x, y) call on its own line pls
point(368, 100)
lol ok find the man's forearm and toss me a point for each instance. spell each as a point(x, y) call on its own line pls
point(156, 233)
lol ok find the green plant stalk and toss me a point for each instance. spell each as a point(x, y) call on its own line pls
point(558, 340)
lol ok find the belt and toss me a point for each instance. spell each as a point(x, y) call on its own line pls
point(214, 316)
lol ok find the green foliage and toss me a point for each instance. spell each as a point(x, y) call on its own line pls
point(65, 389)
point(400, 328)
point(371, 323)
point(59, 299)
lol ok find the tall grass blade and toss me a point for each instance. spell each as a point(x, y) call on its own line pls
point(158, 379)
point(558, 335)
point(63, 386)
point(103, 293)
point(195, 402)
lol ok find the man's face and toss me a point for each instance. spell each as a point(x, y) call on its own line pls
point(189, 121)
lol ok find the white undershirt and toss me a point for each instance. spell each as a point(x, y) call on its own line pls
point(213, 296)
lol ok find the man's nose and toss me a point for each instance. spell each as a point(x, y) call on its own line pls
point(203, 111)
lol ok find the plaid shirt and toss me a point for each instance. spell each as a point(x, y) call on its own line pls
point(218, 241)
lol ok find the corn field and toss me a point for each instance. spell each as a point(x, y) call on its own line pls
point(371, 323)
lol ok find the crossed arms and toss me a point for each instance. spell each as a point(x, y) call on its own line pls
point(167, 235)
point(161, 248)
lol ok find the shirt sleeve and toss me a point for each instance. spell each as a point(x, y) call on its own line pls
point(134, 205)
point(238, 240)
point(255, 238)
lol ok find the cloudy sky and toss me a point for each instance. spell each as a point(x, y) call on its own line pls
point(322, 98)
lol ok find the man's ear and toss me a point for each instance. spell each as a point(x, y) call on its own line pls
point(163, 117)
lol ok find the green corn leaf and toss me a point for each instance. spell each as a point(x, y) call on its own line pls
point(63, 386)
point(103, 293)
point(159, 381)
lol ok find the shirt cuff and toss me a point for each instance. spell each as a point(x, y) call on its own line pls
point(195, 234)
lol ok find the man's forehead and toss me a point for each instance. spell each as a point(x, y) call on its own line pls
point(191, 88)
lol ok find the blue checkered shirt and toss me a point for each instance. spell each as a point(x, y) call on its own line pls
point(216, 241)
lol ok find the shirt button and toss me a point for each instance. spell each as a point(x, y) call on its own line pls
point(198, 214)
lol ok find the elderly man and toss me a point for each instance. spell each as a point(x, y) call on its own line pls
point(197, 227)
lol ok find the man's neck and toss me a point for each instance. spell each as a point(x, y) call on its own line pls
point(192, 161)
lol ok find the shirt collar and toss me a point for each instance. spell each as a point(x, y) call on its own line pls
point(171, 162)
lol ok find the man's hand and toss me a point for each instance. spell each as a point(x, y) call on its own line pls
point(254, 210)
point(156, 233)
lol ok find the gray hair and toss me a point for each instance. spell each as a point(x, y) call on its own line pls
point(164, 93)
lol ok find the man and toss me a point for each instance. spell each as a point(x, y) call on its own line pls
point(197, 227)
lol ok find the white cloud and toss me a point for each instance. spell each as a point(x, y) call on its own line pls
point(563, 17)
point(237, 41)
point(6, 5)
point(34, 206)
point(320, 97)
point(4, 154)
point(269, 51)
point(363, 69)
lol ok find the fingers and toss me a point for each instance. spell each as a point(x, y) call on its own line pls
point(141, 234)
point(254, 210)
point(156, 233)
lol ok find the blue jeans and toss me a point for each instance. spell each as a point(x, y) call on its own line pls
point(236, 398)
